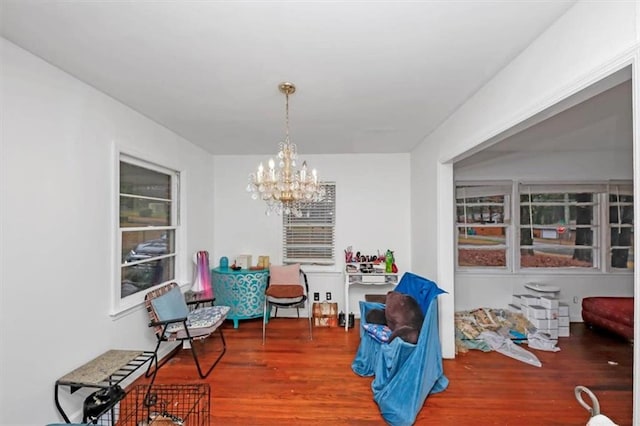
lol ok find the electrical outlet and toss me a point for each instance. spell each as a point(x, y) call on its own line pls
point(328, 295)
point(316, 296)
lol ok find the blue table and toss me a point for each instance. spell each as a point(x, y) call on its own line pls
point(242, 290)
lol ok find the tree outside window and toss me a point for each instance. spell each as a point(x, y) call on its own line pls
point(557, 226)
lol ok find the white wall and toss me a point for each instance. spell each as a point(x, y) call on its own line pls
point(591, 41)
point(372, 214)
point(57, 207)
point(495, 290)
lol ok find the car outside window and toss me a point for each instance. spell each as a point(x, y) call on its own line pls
point(148, 225)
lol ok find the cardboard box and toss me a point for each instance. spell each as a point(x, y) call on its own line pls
point(563, 309)
point(545, 324)
point(516, 300)
point(537, 312)
point(325, 314)
point(515, 309)
point(548, 302)
point(528, 300)
point(540, 324)
point(553, 313)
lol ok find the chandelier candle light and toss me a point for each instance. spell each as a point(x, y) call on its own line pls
point(285, 188)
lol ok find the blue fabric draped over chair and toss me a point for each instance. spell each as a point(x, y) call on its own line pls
point(405, 374)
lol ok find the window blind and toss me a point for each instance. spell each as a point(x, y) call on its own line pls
point(310, 239)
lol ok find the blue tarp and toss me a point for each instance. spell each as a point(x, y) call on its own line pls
point(405, 374)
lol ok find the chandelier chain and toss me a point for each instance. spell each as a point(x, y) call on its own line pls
point(286, 105)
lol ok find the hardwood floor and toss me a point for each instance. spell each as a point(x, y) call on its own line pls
point(294, 381)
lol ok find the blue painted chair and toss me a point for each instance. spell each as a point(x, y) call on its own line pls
point(405, 373)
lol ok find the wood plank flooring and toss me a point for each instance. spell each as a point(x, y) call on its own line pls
point(293, 381)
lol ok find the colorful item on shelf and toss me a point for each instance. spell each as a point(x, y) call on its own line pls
point(389, 261)
point(263, 262)
point(348, 255)
point(202, 279)
point(224, 262)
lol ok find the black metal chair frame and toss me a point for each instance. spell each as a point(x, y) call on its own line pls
point(161, 335)
point(297, 304)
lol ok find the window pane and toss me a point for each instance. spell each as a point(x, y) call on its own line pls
point(622, 258)
point(482, 257)
point(144, 212)
point(556, 215)
point(613, 198)
point(136, 180)
point(556, 257)
point(142, 245)
point(147, 202)
point(493, 199)
point(481, 210)
point(480, 214)
point(481, 235)
point(560, 235)
point(140, 277)
point(621, 230)
point(556, 197)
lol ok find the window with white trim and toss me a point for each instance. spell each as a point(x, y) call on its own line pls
point(560, 226)
point(554, 226)
point(310, 238)
point(482, 221)
point(148, 225)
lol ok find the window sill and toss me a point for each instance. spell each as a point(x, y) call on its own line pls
point(541, 271)
point(135, 302)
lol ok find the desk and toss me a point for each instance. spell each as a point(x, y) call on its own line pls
point(242, 290)
point(109, 369)
point(375, 281)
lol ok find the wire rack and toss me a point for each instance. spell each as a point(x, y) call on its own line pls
point(165, 404)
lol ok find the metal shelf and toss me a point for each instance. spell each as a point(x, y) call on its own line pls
point(108, 369)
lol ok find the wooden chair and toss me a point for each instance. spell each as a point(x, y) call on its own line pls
point(172, 321)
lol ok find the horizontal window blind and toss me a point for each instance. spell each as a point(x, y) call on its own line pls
point(310, 239)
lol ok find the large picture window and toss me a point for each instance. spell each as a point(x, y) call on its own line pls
point(148, 225)
point(310, 238)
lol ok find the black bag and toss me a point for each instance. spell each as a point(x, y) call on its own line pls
point(100, 401)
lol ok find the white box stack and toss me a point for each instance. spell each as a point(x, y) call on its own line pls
point(543, 309)
point(563, 320)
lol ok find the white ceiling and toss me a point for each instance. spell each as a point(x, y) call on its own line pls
point(371, 76)
point(597, 119)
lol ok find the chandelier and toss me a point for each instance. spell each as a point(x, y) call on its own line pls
point(283, 186)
